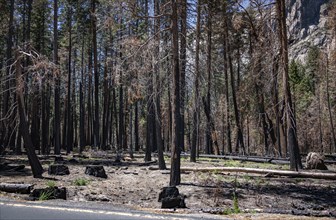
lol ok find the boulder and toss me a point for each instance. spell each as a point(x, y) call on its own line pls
point(315, 161)
point(48, 193)
point(58, 169)
point(96, 170)
point(171, 198)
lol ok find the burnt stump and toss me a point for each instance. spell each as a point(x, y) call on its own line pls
point(48, 193)
point(95, 170)
point(58, 169)
point(171, 198)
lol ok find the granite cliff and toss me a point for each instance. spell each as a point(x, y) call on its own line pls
point(307, 26)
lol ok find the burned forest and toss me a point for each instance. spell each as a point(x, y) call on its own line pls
point(134, 109)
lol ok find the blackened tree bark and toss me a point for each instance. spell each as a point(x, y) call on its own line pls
point(175, 172)
point(69, 107)
point(295, 159)
point(9, 60)
point(183, 62)
point(96, 74)
point(24, 127)
point(156, 79)
point(226, 80)
point(196, 114)
point(150, 119)
point(89, 99)
point(57, 120)
point(207, 106)
point(121, 100)
point(106, 106)
point(81, 105)
point(240, 139)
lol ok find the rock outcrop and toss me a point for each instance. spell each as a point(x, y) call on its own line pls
point(307, 26)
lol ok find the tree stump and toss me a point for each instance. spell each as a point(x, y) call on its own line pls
point(95, 170)
point(315, 161)
point(171, 198)
point(58, 169)
point(59, 159)
point(48, 193)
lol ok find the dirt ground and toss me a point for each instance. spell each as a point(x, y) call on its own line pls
point(135, 185)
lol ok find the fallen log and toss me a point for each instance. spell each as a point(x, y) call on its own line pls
point(16, 188)
point(302, 174)
point(11, 167)
point(255, 159)
point(147, 163)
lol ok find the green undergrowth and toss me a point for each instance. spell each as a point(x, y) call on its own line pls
point(81, 182)
point(51, 184)
point(46, 195)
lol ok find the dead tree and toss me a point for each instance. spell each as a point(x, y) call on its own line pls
point(24, 127)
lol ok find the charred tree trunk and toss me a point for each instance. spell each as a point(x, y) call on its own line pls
point(196, 115)
point(57, 119)
point(24, 127)
point(183, 62)
point(106, 106)
point(175, 173)
point(69, 107)
point(295, 159)
point(240, 139)
point(208, 139)
point(212, 127)
point(81, 105)
point(96, 75)
point(226, 78)
point(156, 79)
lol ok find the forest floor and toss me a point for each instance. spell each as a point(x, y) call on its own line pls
point(133, 185)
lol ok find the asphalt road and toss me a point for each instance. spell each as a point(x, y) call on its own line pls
point(10, 210)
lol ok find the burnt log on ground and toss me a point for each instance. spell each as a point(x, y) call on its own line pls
point(268, 172)
point(96, 170)
point(48, 193)
point(16, 188)
point(148, 163)
point(256, 159)
point(171, 198)
point(58, 169)
point(11, 167)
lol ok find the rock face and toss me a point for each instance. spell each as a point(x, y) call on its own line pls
point(315, 161)
point(171, 198)
point(307, 26)
point(96, 170)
